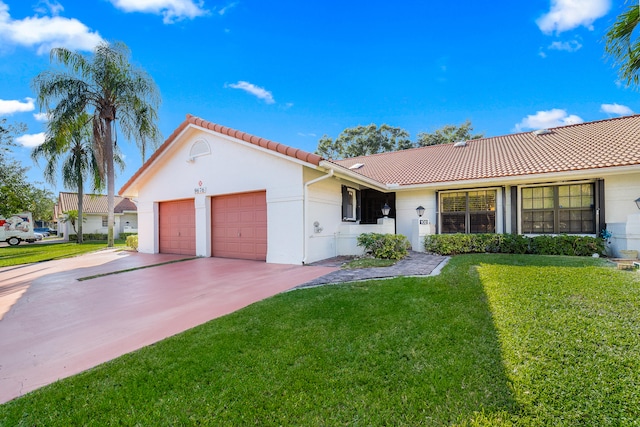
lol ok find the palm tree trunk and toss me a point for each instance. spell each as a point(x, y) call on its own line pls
point(110, 182)
point(80, 205)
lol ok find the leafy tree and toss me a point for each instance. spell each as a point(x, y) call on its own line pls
point(448, 134)
point(72, 216)
point(14, 189)
point(109, 88)
point(623, 47)
point(41, 202)
point(364, 140)
point(70, 143)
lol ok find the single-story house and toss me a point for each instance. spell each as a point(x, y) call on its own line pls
point(214, 191)
point(94, 210)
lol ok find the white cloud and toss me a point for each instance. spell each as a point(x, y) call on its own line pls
point(13, 106)
point(566, 15)
point(254, 90)
point(312, 135)
point(547, 119)
point(45, 32)
point(617, 109)
point(227, 7)
point(32, 140)
point(41, 117)
point(171, 10)
point(49, 7)
point(570, 46)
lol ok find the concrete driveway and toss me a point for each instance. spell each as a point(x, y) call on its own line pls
point(53, 326)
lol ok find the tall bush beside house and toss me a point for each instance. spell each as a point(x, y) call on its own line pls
point(385, 246)
point(132, 242)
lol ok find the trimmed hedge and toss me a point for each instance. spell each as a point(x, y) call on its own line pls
point(385, 246)
point(454, 244)
point(88, 236)
point(98, 236)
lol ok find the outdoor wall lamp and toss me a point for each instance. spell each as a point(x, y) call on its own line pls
point(386, 209)
point(638, 202)
point(420, 211)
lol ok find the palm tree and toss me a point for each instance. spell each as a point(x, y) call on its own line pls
point(74, 141)
point(623, 47)
point(109, 88)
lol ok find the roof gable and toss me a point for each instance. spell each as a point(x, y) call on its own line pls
point(223, 130)
point(94, 204)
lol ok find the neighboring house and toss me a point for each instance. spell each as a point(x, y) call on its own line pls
point(213, 191)
point(94, 210)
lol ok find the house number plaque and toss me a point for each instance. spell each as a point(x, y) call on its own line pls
point(200, 189)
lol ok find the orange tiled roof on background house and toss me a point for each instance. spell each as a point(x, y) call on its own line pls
point(93, 203)
point(255, 140)
point(593, 145)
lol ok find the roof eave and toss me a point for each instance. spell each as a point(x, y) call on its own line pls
point(523, 179)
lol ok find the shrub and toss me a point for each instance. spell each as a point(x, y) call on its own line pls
point(453, 244)
point(385, 246)
point(88, 236)
point(132, 241)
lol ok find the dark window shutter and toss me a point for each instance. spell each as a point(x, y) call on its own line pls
point(437, 225)
point(345, 202)
point(514, 210)
point(602, 220)
point(358, 205)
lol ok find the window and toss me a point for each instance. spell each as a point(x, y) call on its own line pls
point(560, 209)
point(105, 221)
point(349, 204)
point(468, 212)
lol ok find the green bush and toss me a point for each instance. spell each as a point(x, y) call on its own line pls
point(88, 236)
point(385, 246)
point(453, 244)
point(132, 241)
point(126, 235)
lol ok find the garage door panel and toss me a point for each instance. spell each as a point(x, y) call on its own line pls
point(177, 227)
point(239, 226)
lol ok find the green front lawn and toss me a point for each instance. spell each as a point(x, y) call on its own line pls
point(493, 340)
point(26, 253)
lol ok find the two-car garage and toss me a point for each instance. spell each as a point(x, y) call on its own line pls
point(238, 226)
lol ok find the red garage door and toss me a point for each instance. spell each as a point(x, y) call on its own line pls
point(239, 226)
point(178, 227)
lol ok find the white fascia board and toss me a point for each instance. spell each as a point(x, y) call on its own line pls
point(346, 173)
point(259, 148)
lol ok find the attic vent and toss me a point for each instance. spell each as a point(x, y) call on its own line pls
point(460, 144)
point(199, 148)
point(356, 166)
point(541, 132)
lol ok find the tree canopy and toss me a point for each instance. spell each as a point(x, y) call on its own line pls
point(16, 193)
point(623, 46)
point(107, 87)
point(448, 134)
point(373, 139)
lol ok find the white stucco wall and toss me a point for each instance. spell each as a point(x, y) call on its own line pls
point(325, 208)
point(622, 214)
point(233, 166)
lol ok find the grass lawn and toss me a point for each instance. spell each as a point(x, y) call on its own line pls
point(368, 263)
point(36, 252)
point(493, 340)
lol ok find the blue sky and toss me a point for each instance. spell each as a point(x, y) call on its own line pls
point(293, 71)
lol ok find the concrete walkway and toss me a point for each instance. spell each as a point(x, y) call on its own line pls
point(54, 326)
point(415, 264)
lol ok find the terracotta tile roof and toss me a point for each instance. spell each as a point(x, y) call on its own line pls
point(593, 145)
point(261, 142)
point(93, 203)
